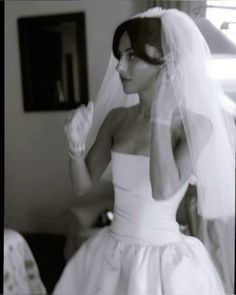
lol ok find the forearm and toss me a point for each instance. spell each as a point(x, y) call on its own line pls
point(164, 173)
point(80, 176)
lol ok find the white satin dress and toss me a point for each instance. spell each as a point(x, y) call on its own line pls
point(142, 252)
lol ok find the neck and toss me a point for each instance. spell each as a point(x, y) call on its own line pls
point(145, 104)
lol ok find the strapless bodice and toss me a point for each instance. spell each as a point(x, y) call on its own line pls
point(136, 214)
point(143, 251)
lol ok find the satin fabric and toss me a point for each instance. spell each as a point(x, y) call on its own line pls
point(143, 251)
point(219, 239)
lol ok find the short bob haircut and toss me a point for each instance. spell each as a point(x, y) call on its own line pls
point(141, 31)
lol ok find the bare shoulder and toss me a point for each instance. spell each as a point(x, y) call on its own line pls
point(118, 114)
point(116, 117)
point(99, 155)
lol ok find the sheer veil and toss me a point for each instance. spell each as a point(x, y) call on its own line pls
point(188, 81)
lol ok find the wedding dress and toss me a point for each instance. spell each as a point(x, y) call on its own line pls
point(142, 252)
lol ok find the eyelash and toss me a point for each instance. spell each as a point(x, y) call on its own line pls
point(132, 55)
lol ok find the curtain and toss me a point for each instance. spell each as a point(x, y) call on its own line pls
point(193, 8)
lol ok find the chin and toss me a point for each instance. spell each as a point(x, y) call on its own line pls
point(129, 90)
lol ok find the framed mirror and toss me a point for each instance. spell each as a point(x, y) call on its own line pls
point(53, 61)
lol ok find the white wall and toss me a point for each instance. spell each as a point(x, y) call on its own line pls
point(37, 185)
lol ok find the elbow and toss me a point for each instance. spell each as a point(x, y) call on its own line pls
point(160, 195)
point(164, 181)
point(80, 191)
point(164, 189)
point(161, 190)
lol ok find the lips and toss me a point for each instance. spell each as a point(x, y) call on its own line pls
point(124, 79)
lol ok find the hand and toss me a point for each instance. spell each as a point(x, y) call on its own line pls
point(77, 127)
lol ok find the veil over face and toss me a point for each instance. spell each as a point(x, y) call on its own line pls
point(137, 75)
point(185, 77)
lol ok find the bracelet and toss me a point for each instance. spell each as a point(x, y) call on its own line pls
point(77, 154)
point(161, 121)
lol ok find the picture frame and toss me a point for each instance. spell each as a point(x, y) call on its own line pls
point(53, 61)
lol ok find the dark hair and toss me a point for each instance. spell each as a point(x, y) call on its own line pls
point(141, 31)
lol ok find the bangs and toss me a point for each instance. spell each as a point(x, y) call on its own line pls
point(141, 31)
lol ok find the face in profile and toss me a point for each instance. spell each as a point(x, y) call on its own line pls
point(136, 74)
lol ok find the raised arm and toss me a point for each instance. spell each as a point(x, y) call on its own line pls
point(169, 168)
point(85, 171)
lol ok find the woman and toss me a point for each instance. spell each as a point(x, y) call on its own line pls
point(157, 148)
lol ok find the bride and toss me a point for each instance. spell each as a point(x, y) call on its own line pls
point(170, 138)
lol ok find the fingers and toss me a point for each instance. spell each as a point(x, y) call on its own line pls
point(90, 106)
point(80, 117)
point(84, 111)
point(78, 113)
point(90, 110)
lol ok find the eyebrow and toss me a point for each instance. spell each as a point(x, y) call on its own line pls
point(126, 50)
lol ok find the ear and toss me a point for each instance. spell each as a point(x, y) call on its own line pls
point(152, 51)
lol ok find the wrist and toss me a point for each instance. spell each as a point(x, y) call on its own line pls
point(161, 122)
point(77, 152)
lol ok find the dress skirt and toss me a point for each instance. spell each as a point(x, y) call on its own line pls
point(109, 265)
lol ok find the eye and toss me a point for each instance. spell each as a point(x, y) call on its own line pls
point(132, 55)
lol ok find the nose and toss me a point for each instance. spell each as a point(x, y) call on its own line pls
point(122, 65)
